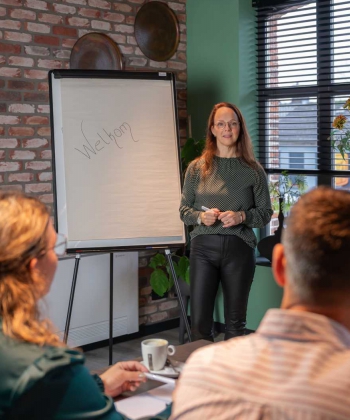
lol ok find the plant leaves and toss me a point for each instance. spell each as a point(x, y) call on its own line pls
point(159, 282)
point(161, 278)
point(184, 263)
point(286, 189)
point(170, 283)
point(176, 268)
point(187, 275)
point(158, 260)
point(191, 150)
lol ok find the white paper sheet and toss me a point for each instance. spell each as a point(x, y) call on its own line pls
point(116, 158)
point(146, 404)
point(163, 393)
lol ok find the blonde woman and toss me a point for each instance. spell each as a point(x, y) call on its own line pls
point(40, 377)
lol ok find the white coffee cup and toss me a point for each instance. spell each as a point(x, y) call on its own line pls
point(155, 352)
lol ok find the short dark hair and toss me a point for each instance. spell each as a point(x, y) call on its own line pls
point(317, 245)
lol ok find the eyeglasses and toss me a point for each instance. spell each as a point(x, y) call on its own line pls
point(59, 248)
point(61, 245)
point(231, 125)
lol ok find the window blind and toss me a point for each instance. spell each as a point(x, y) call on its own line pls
point(303, 82)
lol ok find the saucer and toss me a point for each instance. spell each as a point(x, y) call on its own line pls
point(168, 370)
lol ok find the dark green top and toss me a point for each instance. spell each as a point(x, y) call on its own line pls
point(232, 185)
point(49, 383)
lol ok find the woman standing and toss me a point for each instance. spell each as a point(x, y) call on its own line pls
point(225, 195)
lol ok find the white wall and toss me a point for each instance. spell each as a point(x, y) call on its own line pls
point(90, 314)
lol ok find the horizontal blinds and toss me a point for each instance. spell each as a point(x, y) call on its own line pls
point(303, 82)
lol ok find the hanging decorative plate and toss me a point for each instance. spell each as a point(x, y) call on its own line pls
point(157, 31)
point(96, 51)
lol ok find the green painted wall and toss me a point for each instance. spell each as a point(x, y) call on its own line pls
point(264, 294)
point(221, 66)
point(212, 57)
point(221, 59)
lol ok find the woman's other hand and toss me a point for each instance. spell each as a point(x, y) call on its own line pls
point(209, 217)
point(123, 376)
point(231, 218)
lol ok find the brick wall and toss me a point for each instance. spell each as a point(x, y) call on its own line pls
point(37, 36)
point(155, 309)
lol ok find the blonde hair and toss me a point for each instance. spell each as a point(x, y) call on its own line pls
point(23, 225)
point(244, 144)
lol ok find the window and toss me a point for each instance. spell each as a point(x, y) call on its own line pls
point(296, 160)
point(303, 82)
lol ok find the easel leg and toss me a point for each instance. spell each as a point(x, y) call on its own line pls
point(71, 298)
point(111, 308)
point(179, 296)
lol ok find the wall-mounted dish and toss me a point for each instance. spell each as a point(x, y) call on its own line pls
point(96, 51)
point(157, 31)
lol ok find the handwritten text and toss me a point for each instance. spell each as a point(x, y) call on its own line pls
point(105, 137)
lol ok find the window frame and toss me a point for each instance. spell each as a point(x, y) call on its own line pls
point(324, 69)
point(325, 89)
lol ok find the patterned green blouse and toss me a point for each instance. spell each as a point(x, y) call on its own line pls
point(232, 185)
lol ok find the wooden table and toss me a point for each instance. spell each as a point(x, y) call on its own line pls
point(182, 354)
point(184, 351)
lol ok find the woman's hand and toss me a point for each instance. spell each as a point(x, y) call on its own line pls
point(209, 217)
point(231, 218)
point(123, 376)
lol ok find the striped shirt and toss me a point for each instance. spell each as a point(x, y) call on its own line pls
point(296, 366)
point(232, 185)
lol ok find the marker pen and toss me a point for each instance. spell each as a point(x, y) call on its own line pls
point(159, 378)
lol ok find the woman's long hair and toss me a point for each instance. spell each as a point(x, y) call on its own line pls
point(23, 226)
point(244, 147)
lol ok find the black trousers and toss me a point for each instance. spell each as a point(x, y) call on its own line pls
point(216, 258)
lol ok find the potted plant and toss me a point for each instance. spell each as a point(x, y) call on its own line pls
point(340, 137)
point(284, 193)
point(161, 278)
point(190, 151)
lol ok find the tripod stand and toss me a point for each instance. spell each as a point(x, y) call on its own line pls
point(71, 300)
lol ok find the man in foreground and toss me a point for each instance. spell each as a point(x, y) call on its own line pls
point(297, 364)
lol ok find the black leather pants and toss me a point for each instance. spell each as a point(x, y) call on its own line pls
point(216, 258)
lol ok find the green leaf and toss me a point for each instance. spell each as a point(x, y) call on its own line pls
point(171, 283)
point(275, 205)
point(301, 183)
point(286, 189)
point(342, 152)
point(184, 264)
point(187, 275)
point(159, 282)
point(158, 260)
point(191, 150)
point(340, 141)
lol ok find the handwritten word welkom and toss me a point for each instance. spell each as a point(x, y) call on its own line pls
point(105, 138)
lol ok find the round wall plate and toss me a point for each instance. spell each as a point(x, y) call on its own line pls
point(157, 31)
point(96, 51)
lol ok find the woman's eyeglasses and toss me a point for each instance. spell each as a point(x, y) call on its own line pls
point(59, 248)
point(231, 125)
point(61, 245)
